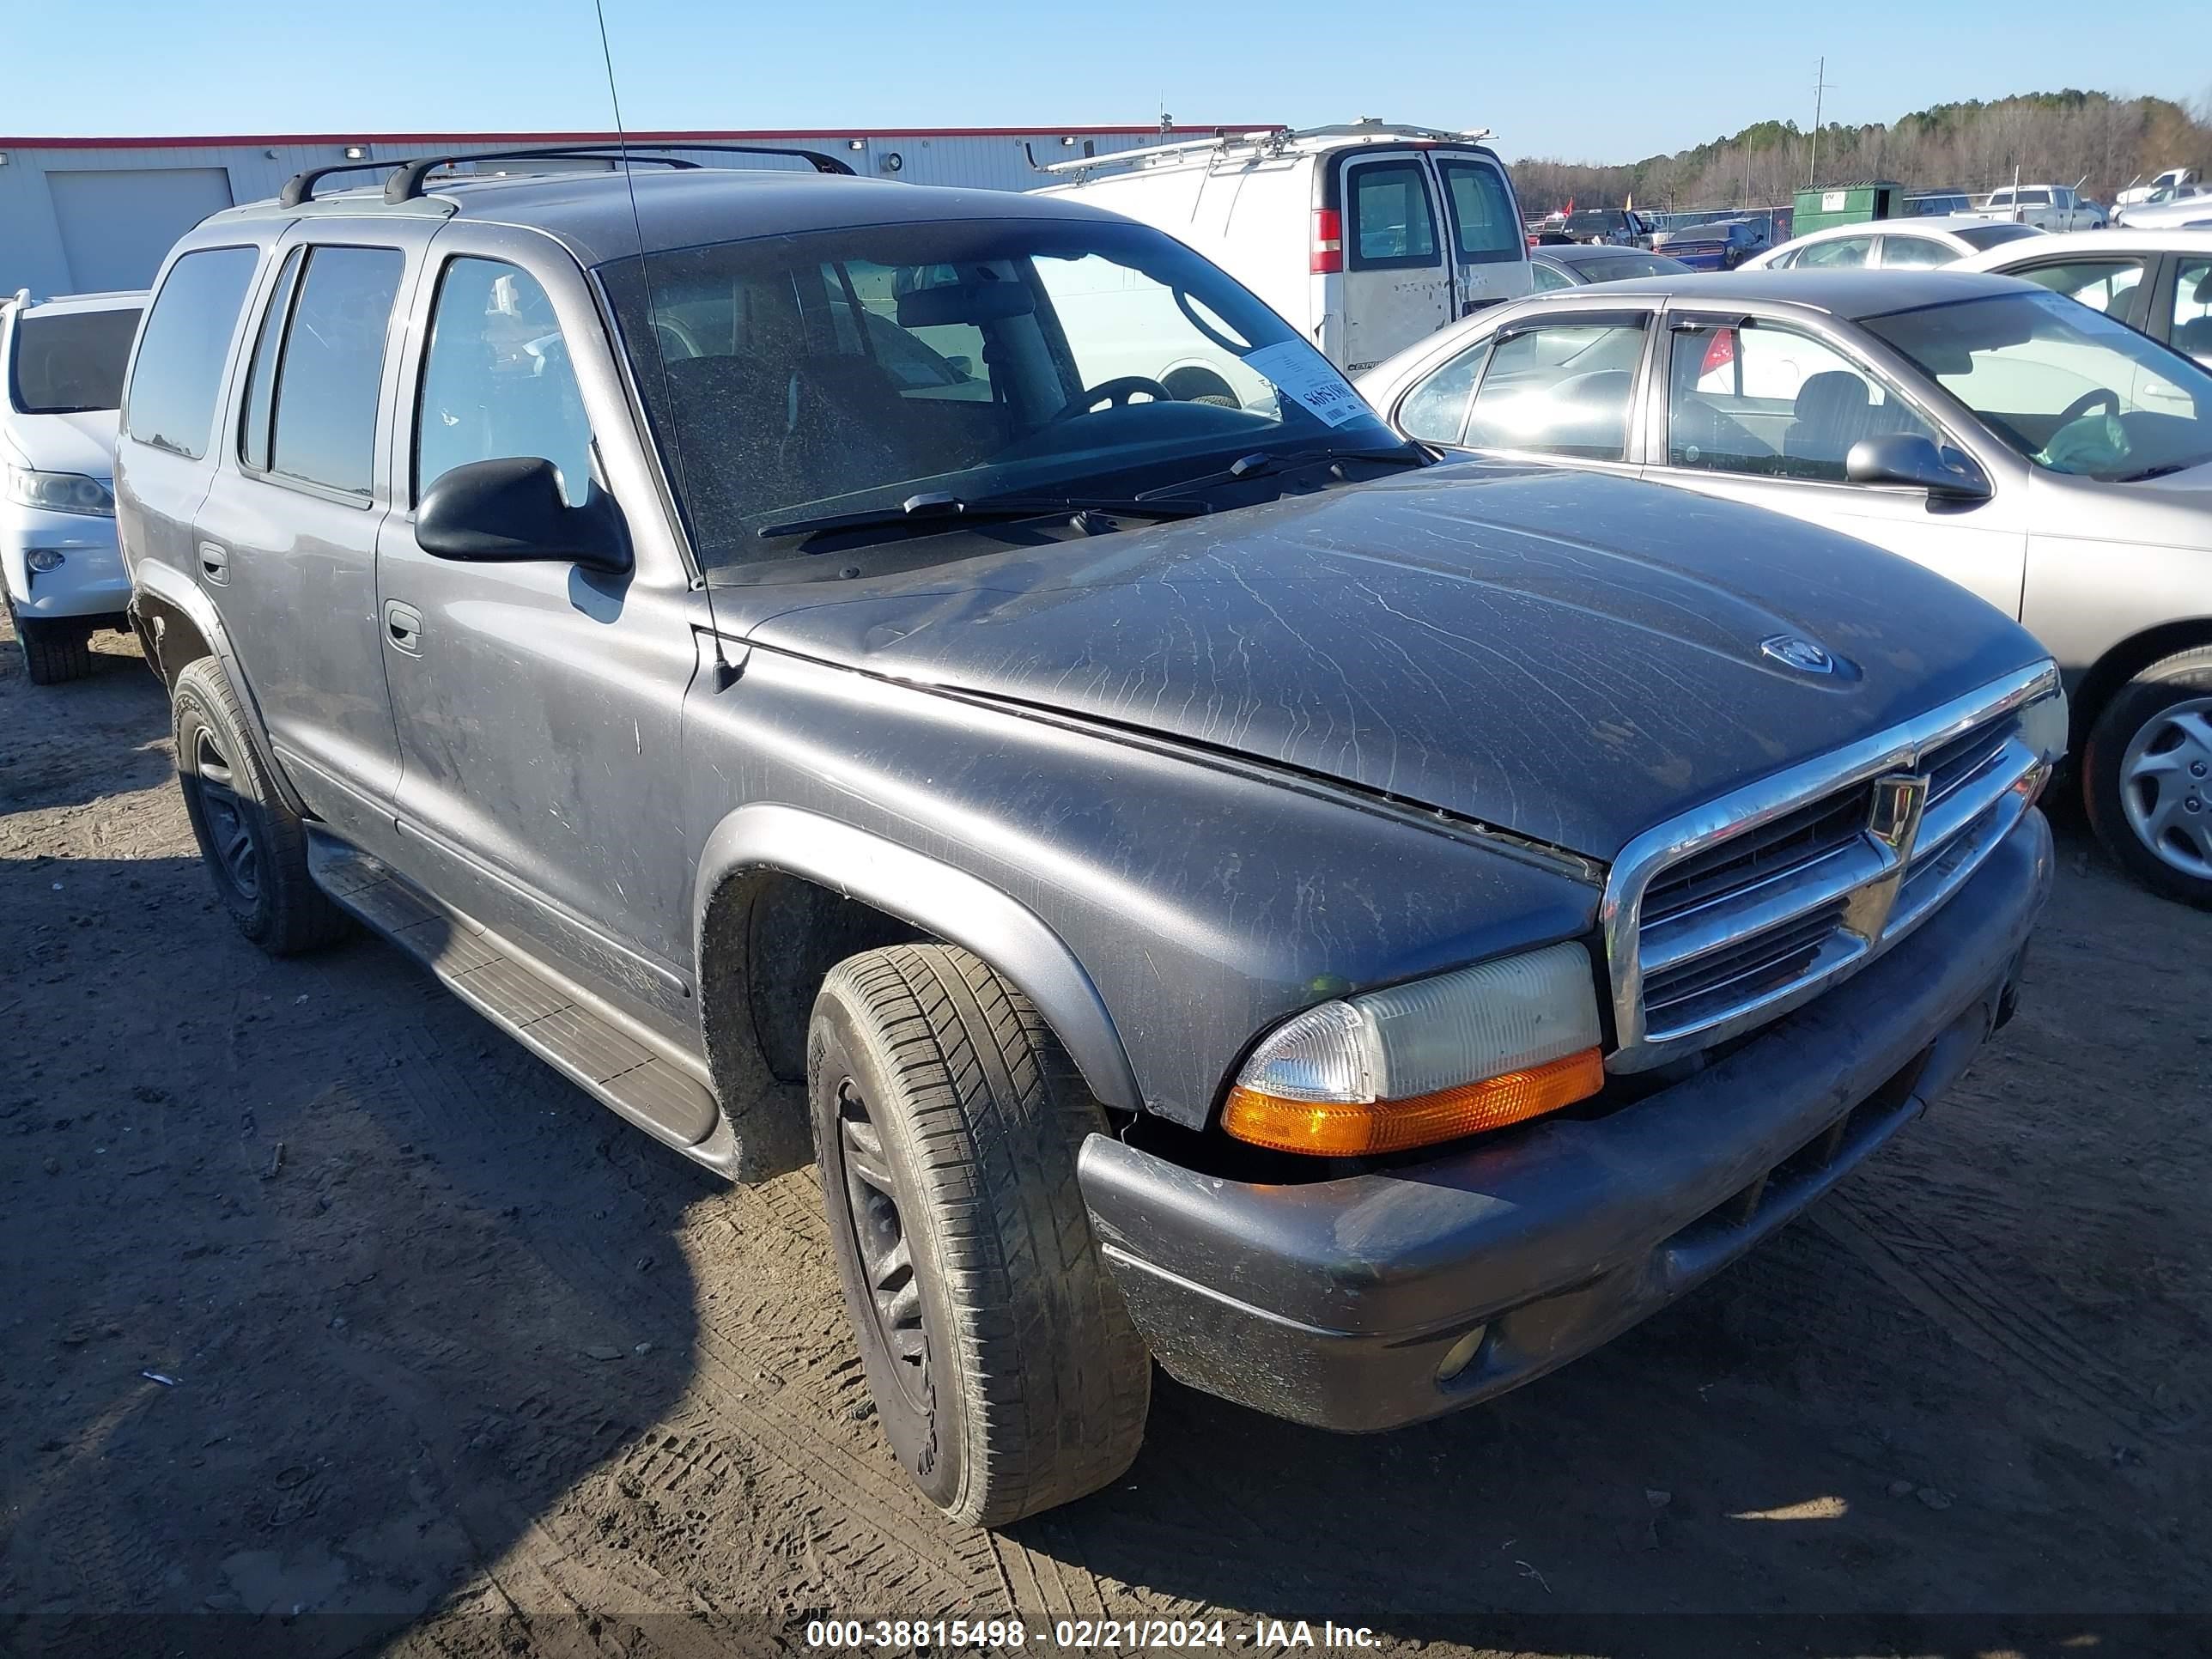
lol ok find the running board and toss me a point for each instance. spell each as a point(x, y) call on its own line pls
point(553, 1022)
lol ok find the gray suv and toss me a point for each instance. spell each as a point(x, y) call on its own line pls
point(1203, 880)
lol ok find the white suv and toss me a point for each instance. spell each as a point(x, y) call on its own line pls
point(63, 363)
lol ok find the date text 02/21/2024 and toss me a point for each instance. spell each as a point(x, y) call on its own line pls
point(1086, 1634)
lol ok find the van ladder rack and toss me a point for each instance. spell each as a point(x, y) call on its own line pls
point(1261, 143)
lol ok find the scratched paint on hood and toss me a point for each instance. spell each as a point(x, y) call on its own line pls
point(1568, 655)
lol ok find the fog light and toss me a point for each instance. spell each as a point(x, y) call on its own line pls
point(43, 559)
point(1461, 1355)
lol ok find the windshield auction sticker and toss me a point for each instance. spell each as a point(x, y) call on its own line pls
point(1300, 371)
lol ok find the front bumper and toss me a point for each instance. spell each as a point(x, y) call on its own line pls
point(90, 581)
point(1335, 1304)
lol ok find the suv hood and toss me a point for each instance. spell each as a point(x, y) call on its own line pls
point(1567, 655)
point(83, 442)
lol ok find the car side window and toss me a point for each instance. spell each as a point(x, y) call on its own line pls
point(2100, 284)
point(1914, 253)
point(1773, 401)
point(176, 378)
point(2192, 333)
point(1549, 278)
point(261, 376)
point(497, 381)
point(1436, 410)
point(1559, 388)
point(1842, 251)
point(1392, 221)
point(323, 427)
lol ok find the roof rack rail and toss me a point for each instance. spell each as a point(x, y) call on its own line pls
point(1262, 142)
point(301, 186)
point(410, 172)
point(407, 179)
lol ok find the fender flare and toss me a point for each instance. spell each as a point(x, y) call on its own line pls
point(955, 907)
point(158, 593)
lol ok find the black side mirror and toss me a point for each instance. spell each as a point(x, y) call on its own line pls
point(509, 511)
point(1908, 459)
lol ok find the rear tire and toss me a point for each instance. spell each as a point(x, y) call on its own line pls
point(947, 1118)
point(255, 847)
point(53, 651)
point(2147, 777)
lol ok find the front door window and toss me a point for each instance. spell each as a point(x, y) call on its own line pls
point(1774, 402)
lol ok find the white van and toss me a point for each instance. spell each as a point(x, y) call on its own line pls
point(1367, 237)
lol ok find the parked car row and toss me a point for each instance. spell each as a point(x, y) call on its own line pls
point(2037, 453)
point(62, 361)
point(960, 688)
point(1915, 242)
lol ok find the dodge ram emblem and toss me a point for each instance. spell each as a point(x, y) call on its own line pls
point(1794, 651)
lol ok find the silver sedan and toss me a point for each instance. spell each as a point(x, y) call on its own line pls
point(2041, 455)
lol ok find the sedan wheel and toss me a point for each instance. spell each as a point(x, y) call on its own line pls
point(2147, 776)
point(2165, 786)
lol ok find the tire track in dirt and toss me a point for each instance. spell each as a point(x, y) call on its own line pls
point(2006, 1325)
point(747, 1357)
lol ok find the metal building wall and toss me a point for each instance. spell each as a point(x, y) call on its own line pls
point(33, 252)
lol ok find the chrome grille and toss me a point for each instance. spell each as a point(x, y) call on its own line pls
point(1737, 912)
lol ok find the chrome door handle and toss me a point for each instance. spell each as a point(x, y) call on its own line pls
point(403, 626)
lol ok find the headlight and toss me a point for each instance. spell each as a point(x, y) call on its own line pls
point(60, 492)
point(1476, 1049)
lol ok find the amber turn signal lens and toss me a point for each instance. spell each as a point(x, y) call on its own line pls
point(1332, 1129)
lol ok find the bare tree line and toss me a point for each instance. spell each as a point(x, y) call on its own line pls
point(2108, 142)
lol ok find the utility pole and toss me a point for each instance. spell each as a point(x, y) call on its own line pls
point(1819, 87)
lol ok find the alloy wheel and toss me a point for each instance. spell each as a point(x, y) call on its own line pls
point(224, 814)
point(885, 1252)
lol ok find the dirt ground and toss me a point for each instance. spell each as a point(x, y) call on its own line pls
point(330, 1317)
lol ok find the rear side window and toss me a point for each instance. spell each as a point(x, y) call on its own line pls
point(177, 378)
point(261, 378)
point(1391, 221)
point(1920, 253)
point(324, 431)
point(2101, 284)
point(1559, 388)
point(1483, 222)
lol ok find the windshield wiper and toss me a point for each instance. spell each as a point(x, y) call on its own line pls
point(922, 513)
point(1259, 463)
point(2166, 470)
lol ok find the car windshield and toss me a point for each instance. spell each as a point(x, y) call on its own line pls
point(850, 371)
point(1982, 236)
point(2068, 387)
point(1623, 267)
point(68, 362)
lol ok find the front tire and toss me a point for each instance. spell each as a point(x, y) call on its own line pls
point(53, 651)
point(255, 847)
point(946, 1119)
point(2147, 777)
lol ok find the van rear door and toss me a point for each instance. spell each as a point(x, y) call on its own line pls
point(1489, 246)
point(1397, 283)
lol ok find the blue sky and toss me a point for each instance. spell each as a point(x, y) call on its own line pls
point(1595, 80)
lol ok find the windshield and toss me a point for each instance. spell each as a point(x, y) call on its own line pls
point(1626, 266)
point(67, 362)
point(2067, 386)
point(854, 369)
point(1982, 236)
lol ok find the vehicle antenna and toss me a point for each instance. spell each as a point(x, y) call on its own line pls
point(1820, 85)
point(724, 671)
